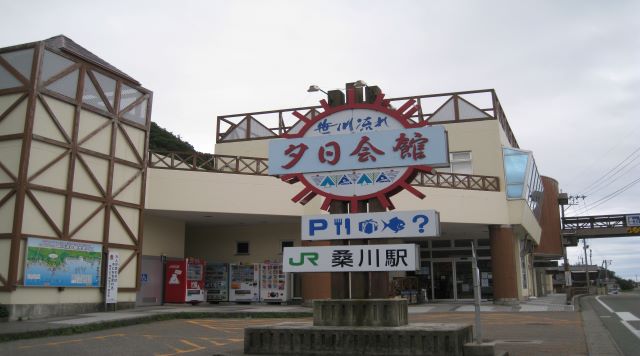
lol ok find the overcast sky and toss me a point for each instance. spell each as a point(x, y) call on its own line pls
point(567, 73)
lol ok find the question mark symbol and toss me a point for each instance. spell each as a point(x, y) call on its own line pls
point(424, 222)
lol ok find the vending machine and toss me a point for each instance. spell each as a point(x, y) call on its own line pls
point(185, 281)
point(217, 282)
point(244, 282)
point(274, 284)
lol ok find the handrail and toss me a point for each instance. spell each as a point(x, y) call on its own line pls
point(282, 120)
point(205, 162)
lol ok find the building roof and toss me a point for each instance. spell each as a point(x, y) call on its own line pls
point(65, 44)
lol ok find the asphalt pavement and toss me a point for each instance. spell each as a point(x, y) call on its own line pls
point(619, 314)
point(540, 326)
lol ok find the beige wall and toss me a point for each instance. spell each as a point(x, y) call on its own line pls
point(219, 244)
point(222, 192)
point(254, 148)
point(163, 236)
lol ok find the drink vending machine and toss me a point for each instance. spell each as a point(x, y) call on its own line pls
point(244, 282)
point(217, 282)
point(185, 281)
point(274, 286)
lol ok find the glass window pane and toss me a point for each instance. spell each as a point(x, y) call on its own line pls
point(7, 80)
point(21, 61)
point(514, 191)
point(460, 156)
point(258, 130)
point(128, 95)
point(462, 243)
point(108, 86)
point(238, 132)
point(440, 243)
point(515, 168)
point(91, 96)
point(66, 85)
point(138, 113)
point(53, 64)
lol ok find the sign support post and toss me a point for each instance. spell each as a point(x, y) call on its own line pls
point(476, 294)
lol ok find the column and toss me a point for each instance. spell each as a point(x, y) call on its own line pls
point(503, 264)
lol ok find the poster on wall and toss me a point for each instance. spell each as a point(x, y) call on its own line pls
point(59, 263)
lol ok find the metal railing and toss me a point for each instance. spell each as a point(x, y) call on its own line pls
point(276, 122)
point(205, 162)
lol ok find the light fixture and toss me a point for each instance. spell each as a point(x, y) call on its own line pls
point(360, 84)
point(313, 88)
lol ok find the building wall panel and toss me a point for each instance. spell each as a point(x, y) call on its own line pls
point(63, 112)
point(13, 123)
point(81, 210)
point(163, 236)
point(10, 152)
point(6, 212)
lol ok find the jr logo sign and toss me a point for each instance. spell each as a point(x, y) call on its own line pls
point(312, 257)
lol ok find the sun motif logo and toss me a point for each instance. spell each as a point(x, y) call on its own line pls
point(357, 152)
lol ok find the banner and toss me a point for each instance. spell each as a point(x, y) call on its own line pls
point(360, 258)
point(113, 268)
point(62, 263)
point(422, 223)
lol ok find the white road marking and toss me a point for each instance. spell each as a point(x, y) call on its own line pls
point(604, 305)
point(631, 328)
point(626, 316)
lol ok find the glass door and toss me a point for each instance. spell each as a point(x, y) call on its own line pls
point(464, 280)
point(443, 280)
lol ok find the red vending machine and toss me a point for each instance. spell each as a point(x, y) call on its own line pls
point(185, 281)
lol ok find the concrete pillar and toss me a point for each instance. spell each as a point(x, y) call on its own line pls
point(503, 264)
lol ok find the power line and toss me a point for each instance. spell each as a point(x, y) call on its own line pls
point(613, 177)
point(612, 169)
point(609, 197)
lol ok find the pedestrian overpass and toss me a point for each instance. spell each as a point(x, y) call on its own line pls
point(599, 226)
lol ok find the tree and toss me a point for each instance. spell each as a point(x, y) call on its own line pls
point(163, 140)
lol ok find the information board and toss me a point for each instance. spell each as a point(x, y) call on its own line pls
point(423, 223)
point(62, 263)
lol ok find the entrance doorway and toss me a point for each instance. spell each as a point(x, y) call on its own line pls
point(452, 278)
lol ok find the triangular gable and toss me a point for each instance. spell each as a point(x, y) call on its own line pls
point(468, 111)
point(239, 131)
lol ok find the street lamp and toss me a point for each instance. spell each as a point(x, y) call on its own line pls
point(313, 88)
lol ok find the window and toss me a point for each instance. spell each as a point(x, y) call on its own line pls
point(242, 248)
point(522, 178)
point(460, 162)
point(284, 244)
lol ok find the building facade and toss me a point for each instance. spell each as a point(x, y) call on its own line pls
point(75, 167)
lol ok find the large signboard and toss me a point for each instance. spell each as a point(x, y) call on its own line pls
point(58, 263)
point(376, 149)
point(357, 152)
point(424, 223)
point(360, 258)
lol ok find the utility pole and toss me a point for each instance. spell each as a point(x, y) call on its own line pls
point(563, 200)
point(586, 265)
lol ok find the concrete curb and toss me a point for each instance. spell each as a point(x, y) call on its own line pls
point(597, 337)
point(44, 330)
